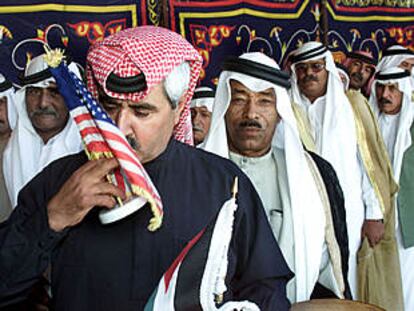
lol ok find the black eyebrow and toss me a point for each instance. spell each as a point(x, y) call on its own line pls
point(102, 97)
point(108, 101)
point(143, 106)
point(238, 90)
point(267, 93)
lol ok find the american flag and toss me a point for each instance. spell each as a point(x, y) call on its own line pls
point(102, 138)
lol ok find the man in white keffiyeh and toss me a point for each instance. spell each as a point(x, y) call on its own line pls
point(253, 124)
point(201, 107)
point(44, 132)
point(391, 102)
point(8, 118)
point(396, 56)
point(317, 88)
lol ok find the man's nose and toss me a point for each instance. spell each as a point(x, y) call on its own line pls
point(45, 99)
point(250, 109)
point(386, 92)
point(309, 70)
point(123, 120)
point(196, 117)
point(363, 70)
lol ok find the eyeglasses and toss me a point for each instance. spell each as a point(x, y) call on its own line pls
point(315, 67)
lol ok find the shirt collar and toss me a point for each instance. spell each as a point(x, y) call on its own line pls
point(243, 160)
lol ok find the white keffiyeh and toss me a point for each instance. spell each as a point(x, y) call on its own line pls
point(26, 154)
point(306, 207)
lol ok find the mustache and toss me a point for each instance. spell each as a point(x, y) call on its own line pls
point(197, 128)
point(250, 123)
point(357, 76)
point(132, 142)
point(44, 111)
point(384, 101)
point(310, 78)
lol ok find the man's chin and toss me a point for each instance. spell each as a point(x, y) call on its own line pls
point(198, 137)
point(355, 85)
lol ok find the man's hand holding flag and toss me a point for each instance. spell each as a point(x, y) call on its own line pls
point(103, 139)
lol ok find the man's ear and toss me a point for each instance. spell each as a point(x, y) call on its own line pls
point(179, 109)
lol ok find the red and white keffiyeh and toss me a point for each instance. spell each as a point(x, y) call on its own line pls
point(155, 52)
point(364, 54)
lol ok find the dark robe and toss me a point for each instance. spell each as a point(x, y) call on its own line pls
point(117, 266)
point(337, 203)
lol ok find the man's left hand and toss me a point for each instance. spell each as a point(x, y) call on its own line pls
point(374, 230)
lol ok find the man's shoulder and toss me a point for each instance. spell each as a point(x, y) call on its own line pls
point(209, 161)
point(355, 96)
point(67, 163)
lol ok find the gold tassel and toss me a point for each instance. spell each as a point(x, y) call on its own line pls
point(53, 57)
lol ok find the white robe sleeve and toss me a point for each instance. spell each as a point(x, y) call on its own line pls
point(371, 203)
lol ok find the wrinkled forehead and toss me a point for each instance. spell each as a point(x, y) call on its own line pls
point(391, 84)
point(407, 63)
point(309, 62)
point(410, 60)
point(46, 84)
point(361, 61)
point(251, 83)
point(312, 61)
point(237, 86)
point(200, 108)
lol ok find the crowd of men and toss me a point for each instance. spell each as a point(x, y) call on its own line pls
point(323, 153)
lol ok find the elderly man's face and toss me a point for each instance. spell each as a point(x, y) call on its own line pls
point(148, 124)
point(407, 64)
point(201, 119)
point(251, 120)
point(4, 120)
point(389, 98)
point(312, 78)
point(47, 110)
point(359, 74)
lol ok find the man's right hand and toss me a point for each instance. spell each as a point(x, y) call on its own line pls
point(86, 188)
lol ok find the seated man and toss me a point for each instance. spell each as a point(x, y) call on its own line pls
point(201, 108)
point(116, 267)
point(44, 130)
point(254, 125)
point(7, 123)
